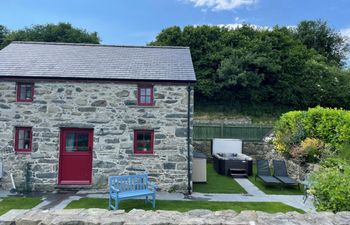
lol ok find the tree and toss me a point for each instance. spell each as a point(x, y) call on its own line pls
point(62, 32)
point(3, 33)
point(319, 36)
point(275, 66)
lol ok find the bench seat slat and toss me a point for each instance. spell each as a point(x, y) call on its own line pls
point(133, 193)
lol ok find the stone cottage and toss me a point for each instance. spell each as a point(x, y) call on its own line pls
point(73, 114)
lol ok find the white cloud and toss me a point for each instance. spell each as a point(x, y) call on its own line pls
point(233, 26)
point(239, 20)
point(345, 32)
point(223, 4)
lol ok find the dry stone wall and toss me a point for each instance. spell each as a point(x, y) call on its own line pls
point(111, 110)
point(194, 217)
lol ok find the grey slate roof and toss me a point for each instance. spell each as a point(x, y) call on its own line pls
point(90, 61)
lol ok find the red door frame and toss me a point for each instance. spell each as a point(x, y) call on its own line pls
point(63, 132)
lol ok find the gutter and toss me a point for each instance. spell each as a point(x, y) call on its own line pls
point(189, 189)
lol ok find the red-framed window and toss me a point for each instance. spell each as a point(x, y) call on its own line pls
point(143, 141)
point(23, 139)
point(145, 95)
point(25, 92)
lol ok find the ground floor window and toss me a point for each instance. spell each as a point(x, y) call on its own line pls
point(143, 141)
point(23, 139)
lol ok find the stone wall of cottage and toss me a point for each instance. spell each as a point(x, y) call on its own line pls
point(111, 110)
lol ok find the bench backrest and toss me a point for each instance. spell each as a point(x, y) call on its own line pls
point(129, 182)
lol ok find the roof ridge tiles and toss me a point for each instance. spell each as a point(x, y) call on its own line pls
point(96, 45)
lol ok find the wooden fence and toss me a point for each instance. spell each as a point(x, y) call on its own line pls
point(246, 132)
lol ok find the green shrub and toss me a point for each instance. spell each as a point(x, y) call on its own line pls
point(331, 126)
point(343, 152)
point(310, 150)
point(330, 186)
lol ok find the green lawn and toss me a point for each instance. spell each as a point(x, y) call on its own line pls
point(9, 203)
point(184, 206)
point(275, 190)
point(217, 183)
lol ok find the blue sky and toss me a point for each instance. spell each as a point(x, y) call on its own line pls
point(136, 22)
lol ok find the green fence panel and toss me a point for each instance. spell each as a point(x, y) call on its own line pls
point(250, 132)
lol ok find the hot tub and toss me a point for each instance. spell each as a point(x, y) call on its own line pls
point(228, 158)
point(227, 164)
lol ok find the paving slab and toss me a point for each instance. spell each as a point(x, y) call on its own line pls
point(249, 187)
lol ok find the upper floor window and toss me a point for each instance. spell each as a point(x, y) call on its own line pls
point(25, 92)
point(145, 95)
point(23, 139)
point(143, 141)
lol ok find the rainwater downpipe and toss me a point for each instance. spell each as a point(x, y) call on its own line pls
point(189, 139)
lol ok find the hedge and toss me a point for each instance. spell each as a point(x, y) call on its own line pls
point(331, 126)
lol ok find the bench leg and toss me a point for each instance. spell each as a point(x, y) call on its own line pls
point(109, 202)
point(116, 204)
point(146, 200)
point(154, 200)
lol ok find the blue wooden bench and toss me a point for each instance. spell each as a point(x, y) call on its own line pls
point(130, 186)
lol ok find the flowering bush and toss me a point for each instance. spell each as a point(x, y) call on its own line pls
point(304, 134)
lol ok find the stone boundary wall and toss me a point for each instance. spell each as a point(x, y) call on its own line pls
point(105, 217)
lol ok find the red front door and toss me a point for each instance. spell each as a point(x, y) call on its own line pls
point(75, 165)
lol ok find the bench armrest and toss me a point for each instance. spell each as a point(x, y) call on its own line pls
point(113, 189)
point(154, 187)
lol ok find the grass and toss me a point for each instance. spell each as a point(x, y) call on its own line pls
point(218, 183)
point(9, 203)
point(184, 206)
point(275, 190)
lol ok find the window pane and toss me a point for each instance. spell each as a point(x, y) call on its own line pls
point(143, 99)
point(28, 92)
point(26, 144)
point(147, 99)
point(23, 92)
point(139, 136)
point(147, 147)
point(83, 142)
point(148, 91)
point(26, 134)
point(20, 144)
point(139, 146)
point(148, 136)
point(142, 91)
point(21, 134)
point(70, 142)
